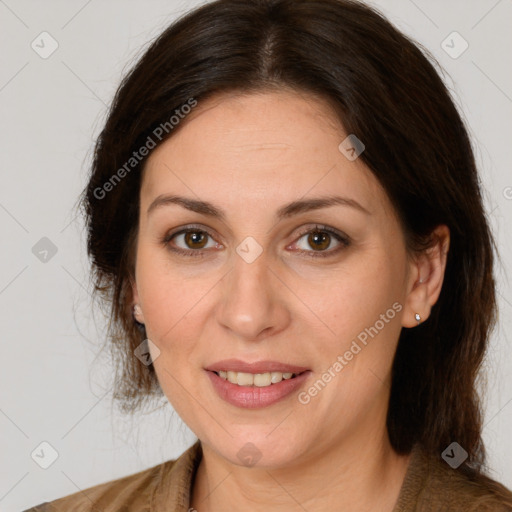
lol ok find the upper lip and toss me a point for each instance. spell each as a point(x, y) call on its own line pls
point(236, 365)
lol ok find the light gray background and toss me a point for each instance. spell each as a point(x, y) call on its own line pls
point(51, 111)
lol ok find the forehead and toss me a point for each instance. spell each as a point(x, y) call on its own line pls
point(277, 145)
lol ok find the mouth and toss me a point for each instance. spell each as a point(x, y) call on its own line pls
point(256, 385)
point(260, 380)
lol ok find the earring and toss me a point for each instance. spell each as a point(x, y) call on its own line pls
point(418, 318)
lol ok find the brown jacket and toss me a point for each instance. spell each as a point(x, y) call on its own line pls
point(430, 485)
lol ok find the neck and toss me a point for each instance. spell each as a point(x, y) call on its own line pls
point(362, 474)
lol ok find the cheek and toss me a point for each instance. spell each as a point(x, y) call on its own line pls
point(361, 308)
point(167, 293)
point(353, 297)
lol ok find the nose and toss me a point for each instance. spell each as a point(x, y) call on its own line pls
point(252, 305)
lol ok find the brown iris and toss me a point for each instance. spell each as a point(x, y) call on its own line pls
point(319, 240)
point(195, 239)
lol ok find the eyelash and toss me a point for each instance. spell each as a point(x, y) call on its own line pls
point(194, 253)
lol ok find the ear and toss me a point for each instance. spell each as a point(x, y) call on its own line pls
point(426, 277)
point(136, 307)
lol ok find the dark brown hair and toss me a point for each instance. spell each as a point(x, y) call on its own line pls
point(386, 92)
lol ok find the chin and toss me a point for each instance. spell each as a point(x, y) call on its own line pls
point(261, 449)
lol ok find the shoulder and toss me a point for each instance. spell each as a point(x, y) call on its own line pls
point(151, 489)
point(132, 492)
point(471, 492)
point(135, 489)
point(454, 490)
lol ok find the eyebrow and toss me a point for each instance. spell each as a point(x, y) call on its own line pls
point(289, 210)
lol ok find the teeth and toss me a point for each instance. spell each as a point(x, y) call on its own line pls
point(276, 377)
point(262, 379)
point(244, 379)
point(250, 379)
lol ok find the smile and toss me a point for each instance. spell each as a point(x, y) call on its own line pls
point(255, 379)
point(256, 390)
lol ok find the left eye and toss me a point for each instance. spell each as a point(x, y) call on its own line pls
point(320, 240)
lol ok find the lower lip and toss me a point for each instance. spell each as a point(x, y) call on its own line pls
point(254, 397)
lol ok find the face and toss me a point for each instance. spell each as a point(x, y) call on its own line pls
point(250, 272)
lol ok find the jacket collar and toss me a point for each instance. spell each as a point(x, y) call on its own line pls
point(174, 486)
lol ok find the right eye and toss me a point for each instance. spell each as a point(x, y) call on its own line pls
point(189, 241)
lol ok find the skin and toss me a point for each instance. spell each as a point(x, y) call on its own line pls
point(249, 155)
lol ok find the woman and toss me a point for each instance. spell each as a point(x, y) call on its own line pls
point(285, 214)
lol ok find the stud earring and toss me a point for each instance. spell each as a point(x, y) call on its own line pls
point(418, 318)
